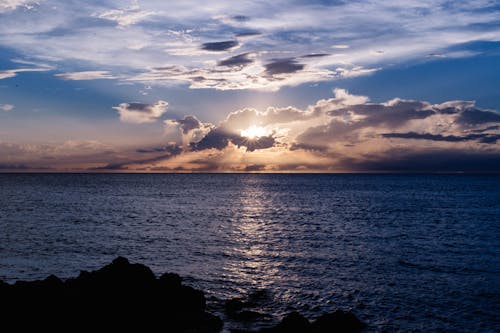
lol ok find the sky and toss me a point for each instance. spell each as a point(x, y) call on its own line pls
point(249, 86)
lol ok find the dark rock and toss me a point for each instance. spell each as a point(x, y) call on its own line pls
point(125, 296)
point(248, 315)
point(338, 321)
point(233, 305)
point(170, 280)
point(117, 296)
point(4, 284)
point(293, 323)
point(53, 281)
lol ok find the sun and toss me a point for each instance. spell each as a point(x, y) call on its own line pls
point(253, 132)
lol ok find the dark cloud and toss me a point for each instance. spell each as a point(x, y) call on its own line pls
point(241, 18)
point(139, 106)
point(490, 128)
point(348, 121)
point(248, 34)
point(255, 167)
point(449, 110)
point(484, 138)
point(262, 142)
point(219, 138)
point(398, 160)
point(201, 78)
point(283, 66)
point(394, 113)
point(308, 147)
point(172, 68)
point(188, 123)
point(171, 149)
point(315, 55)
point(475, 117)
point(216, 138)
point(238, 60)
point(219, 46)
point(111, 167)
point(166, 151)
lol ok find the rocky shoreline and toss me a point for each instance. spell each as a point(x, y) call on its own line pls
point(129, 296)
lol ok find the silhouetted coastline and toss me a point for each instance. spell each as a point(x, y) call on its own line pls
point(122, 295)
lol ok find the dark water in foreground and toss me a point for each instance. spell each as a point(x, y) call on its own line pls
point(405, 252)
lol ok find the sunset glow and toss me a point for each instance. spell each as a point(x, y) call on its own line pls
point(253, 132)
point(310, 165)
point(155, 86)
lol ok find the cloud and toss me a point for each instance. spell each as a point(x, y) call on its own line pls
point(68, 155)
point(139, 113)
point(86, 75)
point(185, 35)
point(241, 18)
point(219, 46)
point(6, 107)
point(9, 5)
point(484, 138)
point(442, 160)
point(125, 17)
point(9, 73)
point(248, 34)
point(220, 139)
point(283, 66)
point(190, 129)
point(473, 116)
point(245, 71)
point(238, 60)
point(343, 133)
point(171, 149)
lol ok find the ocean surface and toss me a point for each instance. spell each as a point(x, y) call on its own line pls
point(406, 253)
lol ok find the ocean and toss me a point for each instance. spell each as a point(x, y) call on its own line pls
point(405, 253)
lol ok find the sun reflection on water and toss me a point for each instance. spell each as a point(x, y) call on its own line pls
point(252, 251)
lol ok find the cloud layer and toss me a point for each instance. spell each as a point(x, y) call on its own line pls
point(343, 134)
point(254, 45)
point(86, 75)
point(140, 113)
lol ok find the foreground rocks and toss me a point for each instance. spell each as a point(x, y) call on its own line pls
point(128, 296)
point(118, 296)
point(336, 322)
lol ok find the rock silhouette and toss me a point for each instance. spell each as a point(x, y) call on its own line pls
point(337, 322)
point(120, 295)
point(125, 296)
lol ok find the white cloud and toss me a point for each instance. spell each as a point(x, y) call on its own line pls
point(253, 75)
point(6, 74)
point(6, 107)
point(8, 5)
point(125, 17)
point(86, 75)
point(340, 46)
point(140, 113)
point(363, 36)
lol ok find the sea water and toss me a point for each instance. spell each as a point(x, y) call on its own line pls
point(403, 252)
